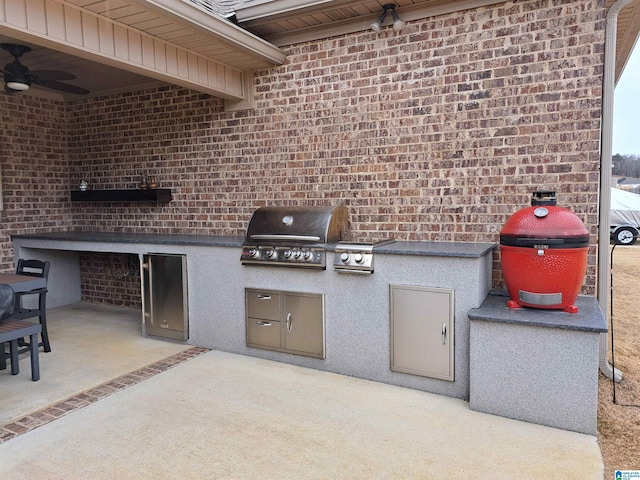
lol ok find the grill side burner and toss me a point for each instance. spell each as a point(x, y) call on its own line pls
point(293, 236)
point(355, 257)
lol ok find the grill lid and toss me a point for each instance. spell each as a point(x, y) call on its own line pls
point(286, 225)
point(554, 227)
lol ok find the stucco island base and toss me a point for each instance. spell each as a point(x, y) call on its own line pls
point(539, 366)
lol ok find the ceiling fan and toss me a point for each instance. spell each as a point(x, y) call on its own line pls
point(18, 78)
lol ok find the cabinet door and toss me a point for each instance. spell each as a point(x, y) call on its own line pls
point(422, 331)
point(304, 324)
point(164, 290)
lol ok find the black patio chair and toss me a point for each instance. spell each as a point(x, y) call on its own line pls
point(6, 310)
point(34, 268)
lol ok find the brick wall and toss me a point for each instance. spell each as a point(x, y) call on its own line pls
point(438, 132)
point(110, 278)
point(34, 169)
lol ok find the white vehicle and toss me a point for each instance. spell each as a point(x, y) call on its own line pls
point(624, 222)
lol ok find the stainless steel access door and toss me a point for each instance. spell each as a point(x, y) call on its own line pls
point(304, 323)
point(164, 296)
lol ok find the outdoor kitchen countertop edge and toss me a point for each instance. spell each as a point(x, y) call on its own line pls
point(125, 237)
point(440, 249)
point(423, 248)
point(589, 317)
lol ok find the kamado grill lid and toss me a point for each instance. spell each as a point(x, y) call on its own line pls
point(544, 224)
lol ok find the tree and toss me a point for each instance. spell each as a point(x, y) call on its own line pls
point(626, 165)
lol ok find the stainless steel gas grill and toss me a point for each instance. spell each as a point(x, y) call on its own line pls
point(293, 236)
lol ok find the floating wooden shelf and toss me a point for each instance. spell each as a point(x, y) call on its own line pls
point(158, 195)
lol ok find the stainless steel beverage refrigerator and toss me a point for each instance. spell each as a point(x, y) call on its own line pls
point(164, 296)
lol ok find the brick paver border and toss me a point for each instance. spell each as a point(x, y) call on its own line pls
point(52, 412)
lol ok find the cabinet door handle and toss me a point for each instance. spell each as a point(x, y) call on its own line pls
point(263, 297)
point(444, 333)
point(263, 324)
point(289, 321)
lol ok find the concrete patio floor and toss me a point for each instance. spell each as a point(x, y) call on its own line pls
point(189, 413)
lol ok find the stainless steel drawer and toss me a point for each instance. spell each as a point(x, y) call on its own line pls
point(264, 333)
point(263, 305)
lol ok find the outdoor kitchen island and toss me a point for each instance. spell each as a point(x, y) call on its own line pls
point(356, 306)
point(425, 319)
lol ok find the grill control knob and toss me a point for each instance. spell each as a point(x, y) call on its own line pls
point(307, 255)
point(270, 253)
point(287, 254)
point(297, 254)
point(254, 253)
point(359, 258)
point(344, 257)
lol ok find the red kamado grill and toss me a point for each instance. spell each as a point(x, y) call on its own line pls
point(544, 255)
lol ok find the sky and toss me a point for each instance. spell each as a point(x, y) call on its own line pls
point(626, 108)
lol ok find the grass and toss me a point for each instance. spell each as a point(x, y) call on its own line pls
point(619, 423)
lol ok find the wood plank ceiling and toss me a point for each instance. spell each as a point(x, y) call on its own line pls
point(322, 19)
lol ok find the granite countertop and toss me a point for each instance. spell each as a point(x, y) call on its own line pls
point(440, 249)
point(589, 317)
point(123, 237)
point(422, 248)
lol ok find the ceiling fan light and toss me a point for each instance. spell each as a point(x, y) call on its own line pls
point(18, 86)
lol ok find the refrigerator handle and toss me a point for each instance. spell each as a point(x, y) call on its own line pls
point(147, 289)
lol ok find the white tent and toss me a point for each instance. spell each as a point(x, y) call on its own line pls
point(625, 208)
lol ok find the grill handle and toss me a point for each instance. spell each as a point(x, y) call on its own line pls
point(567, 242)
point(295, 238)
point(532, 242)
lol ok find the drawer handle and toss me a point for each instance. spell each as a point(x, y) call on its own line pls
point(263, 324)
point(263, 297)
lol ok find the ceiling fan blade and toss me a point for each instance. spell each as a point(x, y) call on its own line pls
point(47, 75)
point(63, 87)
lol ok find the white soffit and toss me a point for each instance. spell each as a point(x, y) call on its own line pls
point(628, 28)
point(172, 41)
point(218, 37)
point(261, 9)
